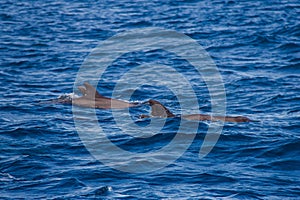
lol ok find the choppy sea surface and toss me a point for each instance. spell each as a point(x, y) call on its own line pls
point(254, 44)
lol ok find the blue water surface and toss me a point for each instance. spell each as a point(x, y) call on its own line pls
point(255, 45)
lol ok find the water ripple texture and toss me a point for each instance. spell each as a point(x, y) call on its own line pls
point(255, 45)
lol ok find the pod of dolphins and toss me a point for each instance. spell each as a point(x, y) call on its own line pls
point(92, 99)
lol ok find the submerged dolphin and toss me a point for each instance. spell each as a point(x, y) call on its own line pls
point(159, 110)
point(92, 99)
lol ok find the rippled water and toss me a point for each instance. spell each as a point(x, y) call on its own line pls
point(255, 45)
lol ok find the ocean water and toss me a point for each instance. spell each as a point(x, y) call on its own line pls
point(254, 44)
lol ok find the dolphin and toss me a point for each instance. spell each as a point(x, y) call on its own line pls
point(159, 110)
point(92, 99)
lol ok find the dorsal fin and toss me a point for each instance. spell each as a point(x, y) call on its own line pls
point(159, 110)
point(82, 90)
point(89, 91)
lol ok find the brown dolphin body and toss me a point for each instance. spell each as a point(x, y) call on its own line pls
point(92, 99)
point(159, 110)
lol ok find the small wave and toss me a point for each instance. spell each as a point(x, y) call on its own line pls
point(63, 98)
point(68, 96)
point(7, 177)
